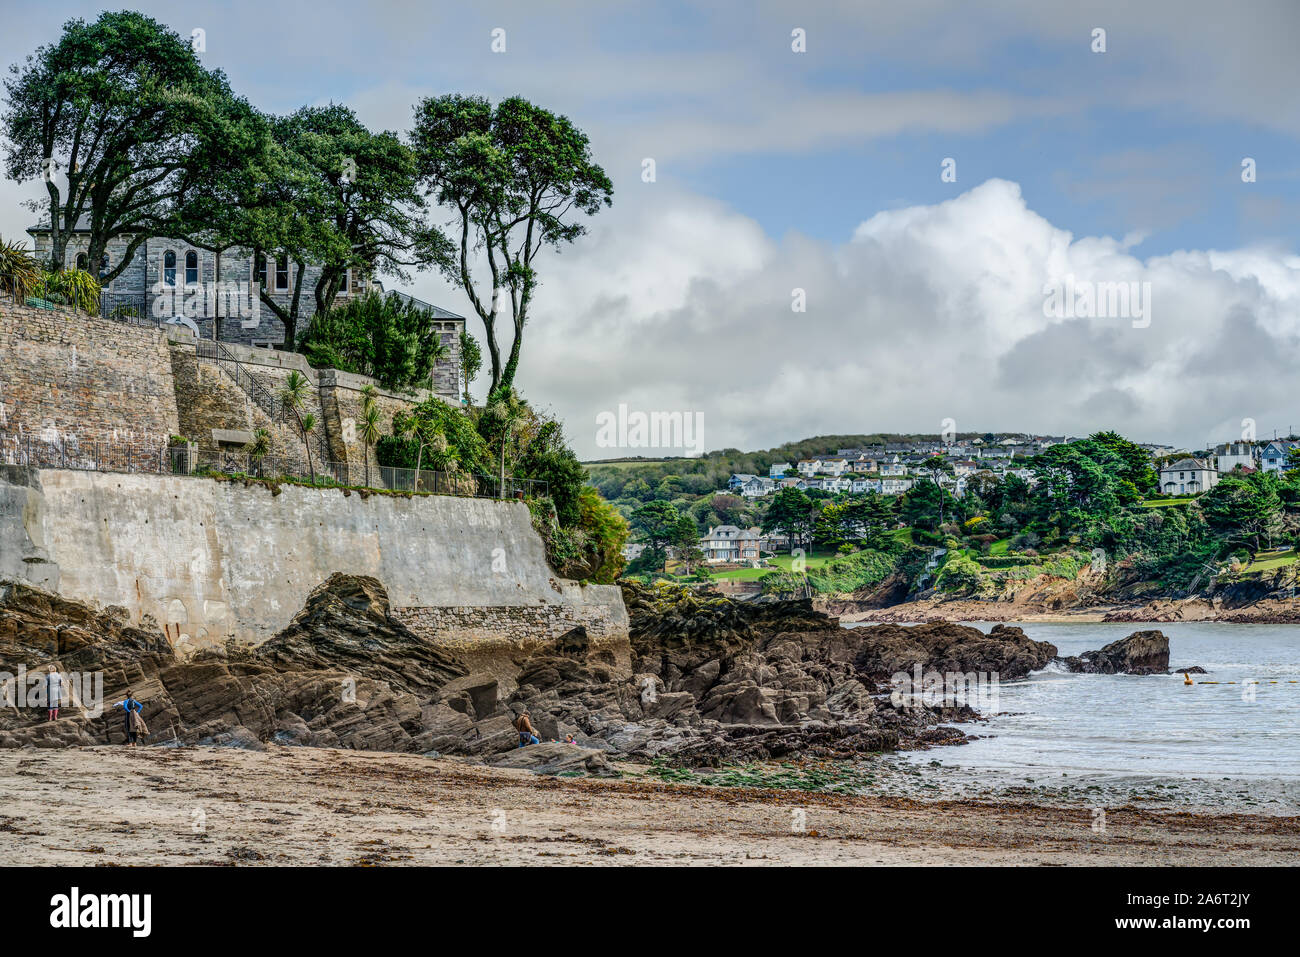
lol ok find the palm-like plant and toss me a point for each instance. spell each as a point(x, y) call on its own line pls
point(412, 427)
point(295, 394)
point(19, 272)
point(504, 413)
point(370, 432)
point(76, 287)
point(258, 448)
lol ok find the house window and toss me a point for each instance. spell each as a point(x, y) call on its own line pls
point(282, 273)
point(343, 282)
point(169, 268)
point(83, 262)
point(191, 268)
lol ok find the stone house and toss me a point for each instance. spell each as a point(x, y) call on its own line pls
point(170, 281)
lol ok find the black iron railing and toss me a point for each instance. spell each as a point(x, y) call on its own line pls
point(26, 449)
point(210, 350)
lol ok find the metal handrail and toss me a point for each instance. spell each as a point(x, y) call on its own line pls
point(212, 350)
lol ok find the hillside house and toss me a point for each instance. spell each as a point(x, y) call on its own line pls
point(1188, 476)
point(1273, 457)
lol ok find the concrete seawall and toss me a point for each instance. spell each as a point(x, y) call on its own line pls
point(212, 561)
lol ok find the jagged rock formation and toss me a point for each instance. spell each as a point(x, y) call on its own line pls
point(946, 646)
point(343, 674)
point(1141, 653)
point(711, 681)
point(346, 624)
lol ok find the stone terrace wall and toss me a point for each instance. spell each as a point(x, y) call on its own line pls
point(205, 402)
point(66, 375)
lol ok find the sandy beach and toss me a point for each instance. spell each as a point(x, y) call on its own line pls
point(309, 806)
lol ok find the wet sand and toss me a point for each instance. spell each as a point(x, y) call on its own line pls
point(305, 806)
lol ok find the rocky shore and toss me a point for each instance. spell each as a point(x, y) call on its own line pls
point(711, 682)
point(1267, 611)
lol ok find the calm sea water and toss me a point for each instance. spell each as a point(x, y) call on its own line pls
point(1123, 725)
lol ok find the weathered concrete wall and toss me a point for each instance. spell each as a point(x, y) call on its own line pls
point(215, 560)
point(23, 551)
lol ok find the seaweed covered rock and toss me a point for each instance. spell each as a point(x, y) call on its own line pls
point(945, 646)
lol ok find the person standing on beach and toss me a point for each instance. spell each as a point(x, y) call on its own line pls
point(53, 693)
point(135, 725)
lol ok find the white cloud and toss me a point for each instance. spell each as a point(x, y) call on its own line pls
point(927, 312)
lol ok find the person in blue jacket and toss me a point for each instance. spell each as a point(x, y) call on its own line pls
point(133, 712)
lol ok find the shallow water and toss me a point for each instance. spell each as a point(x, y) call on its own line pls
point(1150, 738)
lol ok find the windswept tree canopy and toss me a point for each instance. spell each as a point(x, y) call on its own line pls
point(515, 178)
point(119, 118)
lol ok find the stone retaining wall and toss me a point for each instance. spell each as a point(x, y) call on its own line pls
point(212, 561)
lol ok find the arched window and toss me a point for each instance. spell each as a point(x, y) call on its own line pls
point(169, 268)
point(82, 261)
point(191, 268)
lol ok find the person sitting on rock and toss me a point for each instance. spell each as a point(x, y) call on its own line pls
point(527, 735)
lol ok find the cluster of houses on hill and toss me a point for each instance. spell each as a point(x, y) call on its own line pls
point(892, 469)
point(1190, 475)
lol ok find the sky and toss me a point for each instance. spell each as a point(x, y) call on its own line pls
point(929, 180)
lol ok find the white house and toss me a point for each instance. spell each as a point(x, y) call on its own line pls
point(809, 467)
point(893, 468)
point(738, 480)
point(1187, 476)
point(835, 466)
point(863, 485)
point(1228, 457)
point(895, 486)
point(838, 484)
point(757, 487)
point(778, 469)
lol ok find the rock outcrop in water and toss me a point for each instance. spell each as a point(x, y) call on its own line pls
point(1141, 653)
point(949, 647)
point(711, 681)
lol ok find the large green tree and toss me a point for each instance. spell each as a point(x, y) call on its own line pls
point(120, 119)
point(515, 178)
point(1245, 509)
point(385, 337)
point(793, 514)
